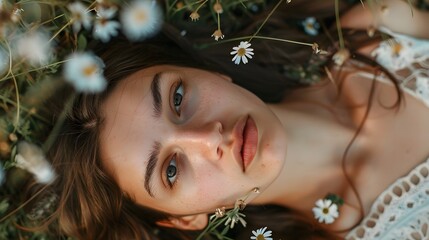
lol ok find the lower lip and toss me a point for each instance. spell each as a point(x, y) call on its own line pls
point(250, 142)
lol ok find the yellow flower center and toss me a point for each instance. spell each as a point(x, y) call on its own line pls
point(397, 47)
point(103, 21)
point(140, 16)
point(325, 210)
point(309, 26)
point(89, 70)
point(241, 52)
point(260, 237)
point(78, 17)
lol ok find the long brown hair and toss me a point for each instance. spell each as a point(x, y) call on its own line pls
point(92, 206)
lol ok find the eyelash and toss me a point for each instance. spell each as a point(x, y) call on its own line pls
point(172, 183)
point(178, 90)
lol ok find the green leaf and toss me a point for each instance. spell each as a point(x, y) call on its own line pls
point(82, 42)
point(4, 206)
point(335, 199)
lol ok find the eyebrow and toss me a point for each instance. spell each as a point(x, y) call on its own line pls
point(156, 95)
point(151, 165)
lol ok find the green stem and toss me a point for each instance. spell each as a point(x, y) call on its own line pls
point(7, 100)
point(211, 226)
point(59, 31)
point(23, 204)
point(53, 19)
point(18, 104)
point(266, 19)
point(35, 69)
point(58, 124)
point(202, 4)
point(218, 21)
point(258, 37)
point(337, 19)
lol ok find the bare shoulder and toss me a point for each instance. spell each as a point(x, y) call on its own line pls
point(396, 15)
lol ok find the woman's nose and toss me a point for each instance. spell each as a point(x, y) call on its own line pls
point(204, 140)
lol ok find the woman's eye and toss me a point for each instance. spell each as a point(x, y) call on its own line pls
point(171, 171)
point(178, 97)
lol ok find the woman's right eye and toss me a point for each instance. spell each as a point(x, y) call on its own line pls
point(178, 97)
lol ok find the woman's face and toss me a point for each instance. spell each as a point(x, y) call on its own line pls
point(175, 138)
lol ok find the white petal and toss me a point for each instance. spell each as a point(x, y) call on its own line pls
point(249, 56)
point(320, 203)
point(237, 60)
point(329, 219)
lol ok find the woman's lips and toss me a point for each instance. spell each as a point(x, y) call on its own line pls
point(250, 142)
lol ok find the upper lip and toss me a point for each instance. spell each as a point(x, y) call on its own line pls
point(238, 137)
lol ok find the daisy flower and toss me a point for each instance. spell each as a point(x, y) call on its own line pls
point(104, 28)
point(31, 158)
point(4, 61)
point(218, 34)
point(311, 26)
point(141, 19)
point(34, 47)
point(80, 16)
point(260, 234)
point(85, 72)
point(394, 54)
point(235, 218)
point(325, 211)
point(242, 52)
point(194, 16)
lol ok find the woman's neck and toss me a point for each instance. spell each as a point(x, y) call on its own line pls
point(314, 151)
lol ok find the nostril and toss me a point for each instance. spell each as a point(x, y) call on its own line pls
point(219, 152)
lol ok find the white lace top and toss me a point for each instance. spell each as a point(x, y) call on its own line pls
point(401, 212)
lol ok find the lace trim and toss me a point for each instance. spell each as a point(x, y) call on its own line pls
point(400, 212)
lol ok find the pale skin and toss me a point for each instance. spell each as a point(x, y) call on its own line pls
point(301, 142)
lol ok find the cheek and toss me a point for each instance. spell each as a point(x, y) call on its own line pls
point(214, 188)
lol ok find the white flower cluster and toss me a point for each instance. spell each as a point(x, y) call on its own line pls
point(140, 19)
point(400, 51)
point(31, 158)
point(36, 46)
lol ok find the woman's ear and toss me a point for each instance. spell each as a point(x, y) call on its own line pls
point(192, 222)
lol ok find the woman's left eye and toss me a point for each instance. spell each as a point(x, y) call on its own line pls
point(172, 171)
point(178, 97)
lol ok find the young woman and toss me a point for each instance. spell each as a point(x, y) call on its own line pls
point(177, 135)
